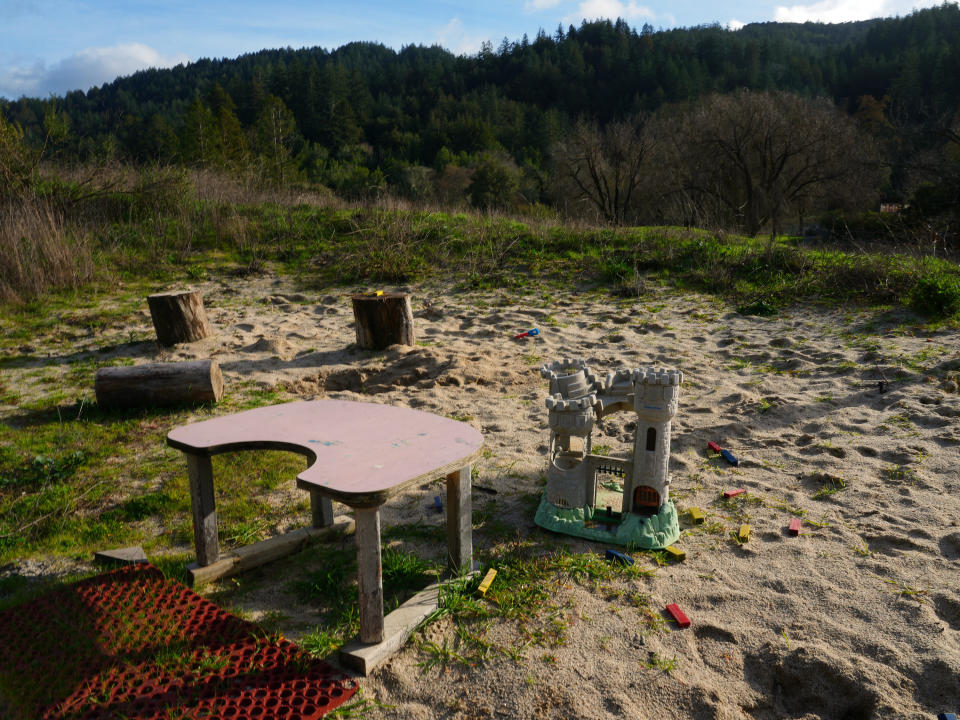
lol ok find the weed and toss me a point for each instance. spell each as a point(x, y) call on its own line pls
point(831, 484)
point(904, 590)
point(655, 662)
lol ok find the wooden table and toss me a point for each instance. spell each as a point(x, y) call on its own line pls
point(360, 454)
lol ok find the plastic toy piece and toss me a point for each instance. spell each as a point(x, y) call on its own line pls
point(676, 553)
point(438, 503)
point(617, 556)
point(374, 293)
point(795, 524)
point(678, 615)
point(946, 716)
point(733, 493)
point(713, 447)
point(743, 535)
point(696, 515)
point(729, 457)
point(486, 582)
point(532, 332)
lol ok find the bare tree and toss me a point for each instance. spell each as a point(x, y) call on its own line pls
point(756, 156)
point(603, 166)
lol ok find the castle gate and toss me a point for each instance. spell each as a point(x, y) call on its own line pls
point(646, 500)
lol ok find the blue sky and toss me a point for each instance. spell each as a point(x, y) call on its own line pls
point(52, 46)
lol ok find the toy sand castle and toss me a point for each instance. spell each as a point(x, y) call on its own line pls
point(577, 500)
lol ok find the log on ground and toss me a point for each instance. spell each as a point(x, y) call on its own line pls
point(178, 317)
point(383, 320)
point(159, 384)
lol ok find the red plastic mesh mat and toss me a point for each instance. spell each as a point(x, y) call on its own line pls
point(133, 644)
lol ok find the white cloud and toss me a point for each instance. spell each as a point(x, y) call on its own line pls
point(734, 24)
point(610, 10)
point(83, 70)
point(837, 11)
point(537, 5)
point(456, 39)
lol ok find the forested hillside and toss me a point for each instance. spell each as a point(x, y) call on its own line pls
point(365, 119)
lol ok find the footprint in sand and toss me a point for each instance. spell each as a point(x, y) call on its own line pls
point(948, 610)
point(893, 544)
point(950, 546)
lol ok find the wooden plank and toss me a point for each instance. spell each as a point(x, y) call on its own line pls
point(677, 614)
point(251, 556)
point(321, 509)
point(486, 582)
point(459, 521)
point(676, 553)
point(203, 505)
point(397, 627)
point(369, 574)
point(729, 457)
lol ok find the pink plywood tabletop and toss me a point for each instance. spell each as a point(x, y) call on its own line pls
point(359, 453)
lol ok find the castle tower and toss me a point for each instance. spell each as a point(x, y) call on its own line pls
point(570, 404)
point(655, 400)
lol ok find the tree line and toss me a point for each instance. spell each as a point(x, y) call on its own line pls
point(689, 125)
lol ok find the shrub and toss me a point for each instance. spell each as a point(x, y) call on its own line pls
point(936, 295)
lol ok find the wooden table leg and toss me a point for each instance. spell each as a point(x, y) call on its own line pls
point(459, 521)
point(200, 472)
point(321, 508)
point(370, 574)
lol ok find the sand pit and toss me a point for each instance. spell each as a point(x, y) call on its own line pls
point(848, 418)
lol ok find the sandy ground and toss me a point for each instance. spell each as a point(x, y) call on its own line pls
point(858, 617)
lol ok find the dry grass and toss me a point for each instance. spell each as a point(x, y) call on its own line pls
point(38, 253)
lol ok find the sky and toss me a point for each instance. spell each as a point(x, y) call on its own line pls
point(53, 46)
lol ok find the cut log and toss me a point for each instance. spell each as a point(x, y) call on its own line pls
point(383, 320)
point(178, 317)
point(159, 384)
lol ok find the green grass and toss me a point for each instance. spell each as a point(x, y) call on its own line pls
point(526, 595)
point(332, 591)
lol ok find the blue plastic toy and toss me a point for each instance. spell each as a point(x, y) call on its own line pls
point(532, 332)
point(729, 457)
point(617, 556)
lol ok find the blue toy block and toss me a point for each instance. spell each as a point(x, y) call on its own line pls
point(729, 457)
point(438, 503)
point(946, 716)
point(619, 557)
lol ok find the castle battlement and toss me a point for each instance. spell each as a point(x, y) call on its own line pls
point(570, 377)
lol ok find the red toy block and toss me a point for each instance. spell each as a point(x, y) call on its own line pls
point(734, 492)
point(795, 526)
point(678, 615)
point(713, 447)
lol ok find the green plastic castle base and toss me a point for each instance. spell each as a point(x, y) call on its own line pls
point(653, 532)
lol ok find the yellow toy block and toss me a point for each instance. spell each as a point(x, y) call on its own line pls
point(486, 582)
point(374, 293)
point(744, 534)
point(676, 553)
point(696, 515)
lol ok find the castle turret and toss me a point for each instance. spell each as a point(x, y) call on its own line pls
point(655, 400)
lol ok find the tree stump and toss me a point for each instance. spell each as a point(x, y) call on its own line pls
point(383, 320)
point(159, 384)
point(178, 317)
